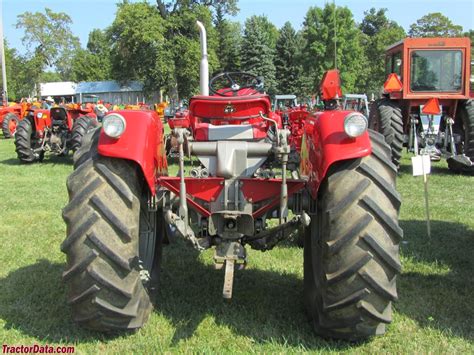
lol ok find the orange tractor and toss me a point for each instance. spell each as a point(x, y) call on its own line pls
point(10, 116)
point(427, 105)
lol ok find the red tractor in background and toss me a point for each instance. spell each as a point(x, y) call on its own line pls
point(10, 116)
point(293, 115)
point(427, 105)
point(123, 206)
point(57, 131)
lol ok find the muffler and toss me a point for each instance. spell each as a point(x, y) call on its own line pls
point(204, 66)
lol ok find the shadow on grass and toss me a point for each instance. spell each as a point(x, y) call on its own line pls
point(48, 160)
point(32, 301)
point(266, 305)
point(433, 298)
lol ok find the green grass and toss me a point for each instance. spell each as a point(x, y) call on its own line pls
point(435, 312)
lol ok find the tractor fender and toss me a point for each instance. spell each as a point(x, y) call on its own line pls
point(40, 123)
point(325, 143)
point(11, 109)
point(142, 142)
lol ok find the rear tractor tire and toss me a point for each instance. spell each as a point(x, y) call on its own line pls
point(113, 243)
point(9, 125)
point(351, 249)
point(464, 123)
point(26, 143)
point(386, 118)
point(82, 125)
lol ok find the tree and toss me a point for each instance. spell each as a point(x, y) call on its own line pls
point(49, 39)
point(138, 52)
point(164, 53)
point(183, 40)
point(287, 61)
point(93, 63)
point(23, 74)
point(229, 42)
point(258, 52)
point(172, 7)
point(319, 52)
point(378, 32)
point(470, 34)
point(434, 25)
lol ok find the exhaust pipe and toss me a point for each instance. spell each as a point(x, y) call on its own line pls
point(204, 66)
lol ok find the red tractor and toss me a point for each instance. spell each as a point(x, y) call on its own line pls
point(293, 115)
point(123, 206)
point(427, 106)
point(57, 131)
point(10, 116)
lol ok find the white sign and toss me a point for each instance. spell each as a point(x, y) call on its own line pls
point(421, 165)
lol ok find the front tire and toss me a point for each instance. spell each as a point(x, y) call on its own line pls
point(386, 118)
point(351, 249)
point(9, 125)
point(105, 229)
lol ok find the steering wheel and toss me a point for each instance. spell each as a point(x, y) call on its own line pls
point(235, 83)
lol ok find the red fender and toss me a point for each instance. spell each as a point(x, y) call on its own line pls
point(325, 143)
point(142, 142)
point(41, 122)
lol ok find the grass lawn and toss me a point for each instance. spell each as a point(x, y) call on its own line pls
point(435, 312)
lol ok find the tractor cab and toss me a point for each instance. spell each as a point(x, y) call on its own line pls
point(430, 67)
point(427, 104)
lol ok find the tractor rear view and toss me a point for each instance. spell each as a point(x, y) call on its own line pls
point(56, 131)
point(427, 105)
point(340, 190)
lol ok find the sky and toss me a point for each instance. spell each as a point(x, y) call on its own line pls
point(89, 14)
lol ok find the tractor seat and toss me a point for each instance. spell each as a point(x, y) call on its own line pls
point(58, 116)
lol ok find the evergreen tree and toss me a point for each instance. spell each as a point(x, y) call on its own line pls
point(229, 42)
point(288, 69)
point(257, 51)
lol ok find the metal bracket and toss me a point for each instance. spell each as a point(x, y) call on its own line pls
point(229, 254)
point(267, 239)
point(180, 227)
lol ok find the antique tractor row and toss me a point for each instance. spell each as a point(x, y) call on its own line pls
point(339, 188)
point(427, 105)
point(56, 131)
